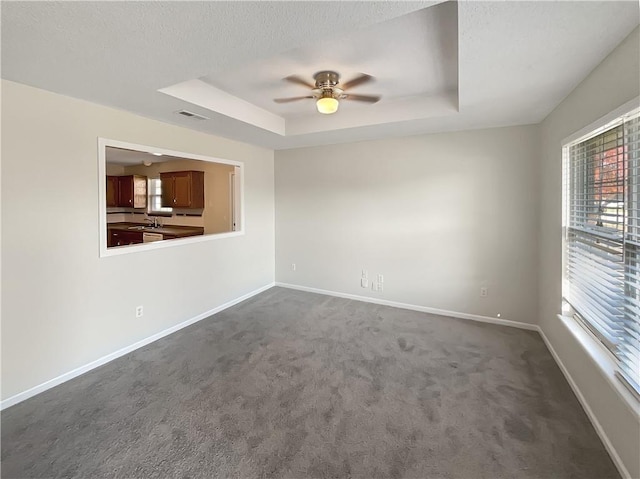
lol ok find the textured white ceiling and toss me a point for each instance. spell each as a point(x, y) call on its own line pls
point(516, 60)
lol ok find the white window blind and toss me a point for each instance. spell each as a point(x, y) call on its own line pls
point(629, 347)
point(602, 239)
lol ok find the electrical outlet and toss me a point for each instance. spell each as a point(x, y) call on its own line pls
point(380, 287)
point(365, 273)
point(139, 311)
point(364, 282)
point(484, 292)
point(293, 266)
point(380, 278)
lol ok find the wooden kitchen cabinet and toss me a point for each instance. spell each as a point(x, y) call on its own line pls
point(182, 189)
point(112, 190)
point(132, 191)
point(122, 238)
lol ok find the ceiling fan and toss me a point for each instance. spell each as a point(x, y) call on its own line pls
point(327, 90)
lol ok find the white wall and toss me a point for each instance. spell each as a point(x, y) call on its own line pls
point(62, 305)
point(614, 82)
point(438, 215)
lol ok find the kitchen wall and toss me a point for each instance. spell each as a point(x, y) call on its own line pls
point(215, 217)
point(614, 82)
point(115, 170)
point(62, 305)
point(440, 216)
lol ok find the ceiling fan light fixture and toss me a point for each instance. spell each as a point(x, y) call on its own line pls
point(327, 90)
point(327, 105)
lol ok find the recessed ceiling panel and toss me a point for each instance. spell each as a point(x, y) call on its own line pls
point(413, 55)
point(413, 60)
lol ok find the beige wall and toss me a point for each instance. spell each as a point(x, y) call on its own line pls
point(62, 305)
point(438, 215)
point(115, 170)
point(614, 82)
point(216, 214)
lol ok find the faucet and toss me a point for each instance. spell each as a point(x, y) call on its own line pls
point(154, 222)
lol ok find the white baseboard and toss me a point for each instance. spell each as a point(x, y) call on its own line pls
point(121, 352)
point(587, 409)
point(413, 307)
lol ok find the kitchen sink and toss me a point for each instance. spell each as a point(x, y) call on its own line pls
point(143, 228)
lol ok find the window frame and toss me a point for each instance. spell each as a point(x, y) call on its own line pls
point(585, 229)
point(590, 340)
point(103, 251)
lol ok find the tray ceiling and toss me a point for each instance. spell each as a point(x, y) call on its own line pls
point(439, 66)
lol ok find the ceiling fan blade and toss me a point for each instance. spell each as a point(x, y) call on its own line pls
point(287, 100)
point(359, 80)
point(367, 98)
point(299, 81)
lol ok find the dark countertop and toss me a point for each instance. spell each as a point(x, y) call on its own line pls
point(173, 230)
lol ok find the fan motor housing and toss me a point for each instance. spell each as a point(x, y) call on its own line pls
point(326, 79)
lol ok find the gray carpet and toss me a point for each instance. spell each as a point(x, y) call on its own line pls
point(293, 384)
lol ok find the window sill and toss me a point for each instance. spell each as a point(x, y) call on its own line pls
point(604, 360)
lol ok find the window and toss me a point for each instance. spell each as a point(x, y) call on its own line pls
point(206, 195)
point(601, 221)
point(155, 198)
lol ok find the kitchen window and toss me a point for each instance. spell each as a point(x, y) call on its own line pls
point(155, 198)
point(601, 226)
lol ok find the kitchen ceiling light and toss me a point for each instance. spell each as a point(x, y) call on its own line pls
point(327, 105)
point(147, 163)
point(157, 154)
